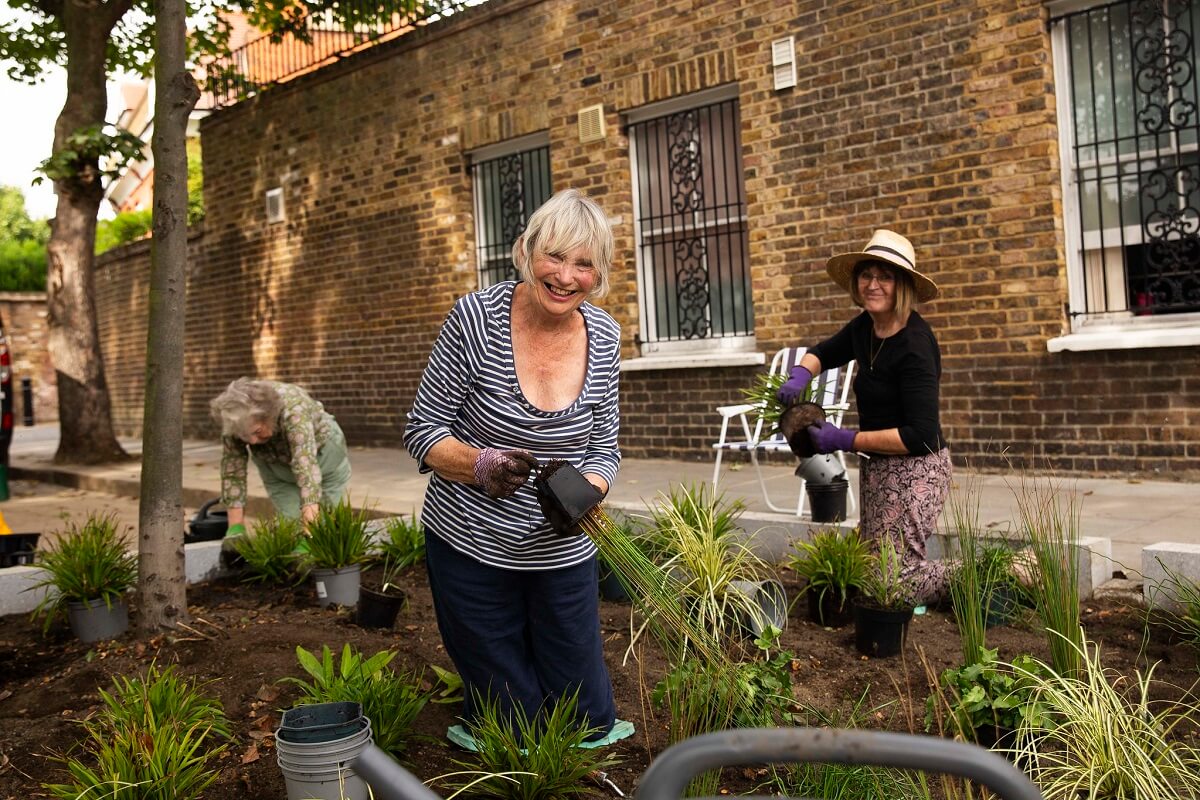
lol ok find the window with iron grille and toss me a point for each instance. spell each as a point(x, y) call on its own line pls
point(1129, 117)
point(690, 225)
point(510, 180)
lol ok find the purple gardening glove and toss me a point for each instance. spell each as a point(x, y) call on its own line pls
point(829, 438)
point(502, 472)
point(795, 385)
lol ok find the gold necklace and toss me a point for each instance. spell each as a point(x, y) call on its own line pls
point(874, 351)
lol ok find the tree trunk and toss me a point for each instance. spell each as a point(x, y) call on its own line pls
point(161, 578)
point(84, 412)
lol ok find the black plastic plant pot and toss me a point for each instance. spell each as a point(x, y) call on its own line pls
point(564, 488)
point(378, 609)
point(611, 588)
point(880, 632)
point(320, 722)
point(793, 424)
point(828, 503)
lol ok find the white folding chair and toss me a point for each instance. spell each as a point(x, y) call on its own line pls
point(831, 390)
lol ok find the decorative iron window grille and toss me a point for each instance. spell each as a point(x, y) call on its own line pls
point(508, 189)
point(690, 226)
point(1134, 170)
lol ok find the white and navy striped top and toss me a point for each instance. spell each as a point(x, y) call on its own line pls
point(470, 391)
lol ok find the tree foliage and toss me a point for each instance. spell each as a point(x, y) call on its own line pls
point(22, 244)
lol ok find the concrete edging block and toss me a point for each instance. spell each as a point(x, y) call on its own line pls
point(774, 536)
point(17, 595)
point(1161, 561)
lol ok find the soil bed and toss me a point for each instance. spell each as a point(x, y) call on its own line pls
point(47, 683)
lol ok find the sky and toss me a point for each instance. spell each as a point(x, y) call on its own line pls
point(25, 141)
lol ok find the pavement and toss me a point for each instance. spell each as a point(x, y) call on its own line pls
point(1130, 513)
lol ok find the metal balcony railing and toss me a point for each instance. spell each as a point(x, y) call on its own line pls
point(331, 30)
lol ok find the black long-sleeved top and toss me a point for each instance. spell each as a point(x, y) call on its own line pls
point(900, 388)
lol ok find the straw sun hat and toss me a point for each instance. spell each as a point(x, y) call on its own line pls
point(884, 246)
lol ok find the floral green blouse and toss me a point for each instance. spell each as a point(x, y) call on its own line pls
point(303, 426)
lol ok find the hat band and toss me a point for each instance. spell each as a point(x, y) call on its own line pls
point(896, 253)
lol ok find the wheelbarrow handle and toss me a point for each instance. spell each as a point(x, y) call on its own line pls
point(388, 780)
point(669, 774)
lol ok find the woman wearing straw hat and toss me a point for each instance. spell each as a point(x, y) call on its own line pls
point(907, 478)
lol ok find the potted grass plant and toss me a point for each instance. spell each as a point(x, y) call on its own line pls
point(833, 565)
point(884, 608)
point(338, 544)
point(88, 572)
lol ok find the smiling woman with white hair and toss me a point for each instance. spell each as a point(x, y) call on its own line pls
point(523, 373)
point(297, 446)
point(904, 484)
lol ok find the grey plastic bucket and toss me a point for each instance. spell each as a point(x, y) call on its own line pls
point(343, 784)
point(94, 621)
point(337, 586)
point(320, 722)
point(320, 770)
point(771, 601)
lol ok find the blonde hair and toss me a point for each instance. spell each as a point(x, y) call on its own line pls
point(244, 404)
point(905, 293)
point(566, 221)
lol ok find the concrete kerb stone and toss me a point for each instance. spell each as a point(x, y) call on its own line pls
point(1164, 565)
point(775, 536)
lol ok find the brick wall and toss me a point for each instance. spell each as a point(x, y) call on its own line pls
point(24, 320)
point(935, 120)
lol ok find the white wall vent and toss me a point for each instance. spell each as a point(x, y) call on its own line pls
point(591, 124)
point(783, 60)
point(275, 211)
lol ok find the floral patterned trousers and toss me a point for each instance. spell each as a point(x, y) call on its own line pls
point(902, 497)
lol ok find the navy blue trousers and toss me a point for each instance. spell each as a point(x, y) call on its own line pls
point(523, 638)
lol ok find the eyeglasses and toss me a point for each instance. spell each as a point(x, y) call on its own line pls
point(881, 277)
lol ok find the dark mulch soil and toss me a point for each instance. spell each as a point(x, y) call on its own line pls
point(49, 683)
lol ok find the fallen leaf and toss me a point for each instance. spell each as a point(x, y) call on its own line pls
point(7, 693)
point(266, 723)
point(251, 754)
point(267, 693)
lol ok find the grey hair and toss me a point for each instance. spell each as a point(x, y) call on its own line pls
point(244, 404)
point(566, 221)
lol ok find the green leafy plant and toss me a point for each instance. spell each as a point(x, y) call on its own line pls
point(1108, 737)
point(270, 551)
point(403, 544)
point(338, 536)
point(1050, 524)
point(533, 759)
point(884, 585)
point(390, 699)
point(89, 562)
point(153, 739)
point(832, 563)
point(986, 698)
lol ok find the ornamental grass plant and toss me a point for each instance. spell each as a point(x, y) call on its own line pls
point(833, 564)
point(884, 585)
point(403, 543)
point(269, 552)
point(88, 562)
point(1181, 595)
point(1049, 519)
point(338, 536)
point(654, 593)
point(695, 534)
point(1106, 736)
point(154, 738)
point(532, 759)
